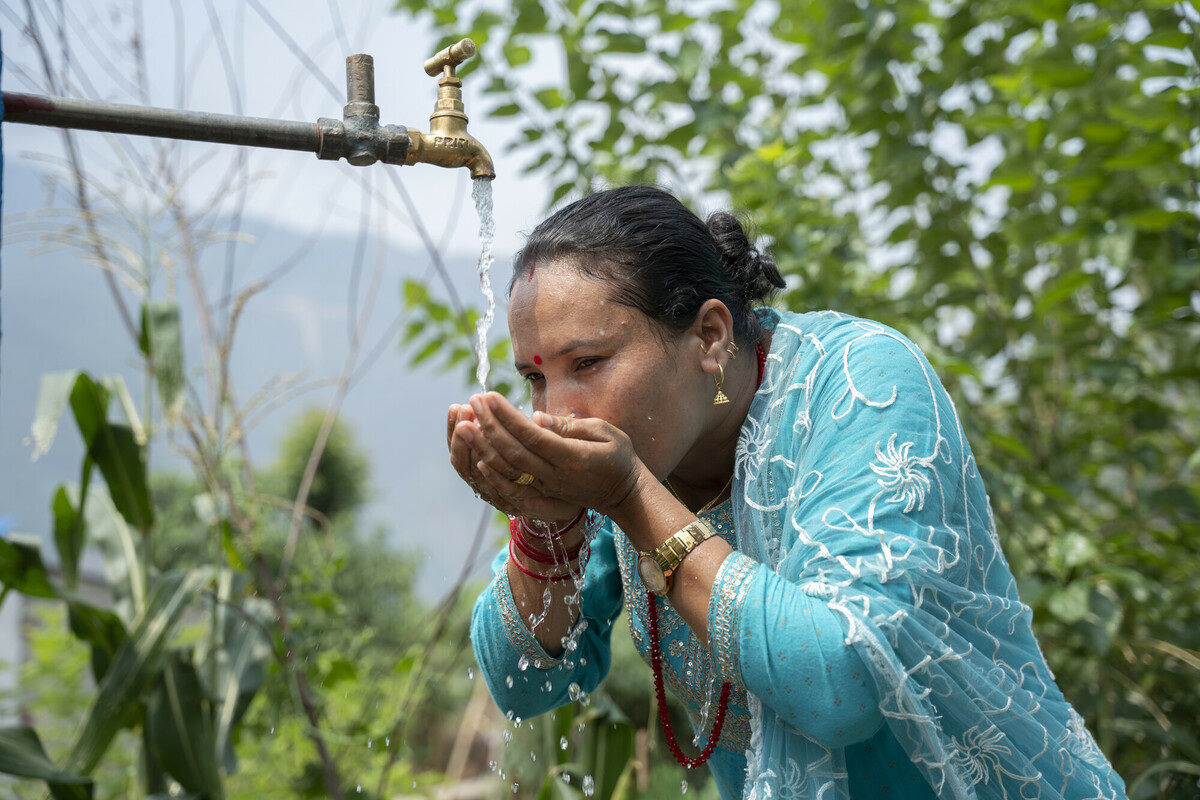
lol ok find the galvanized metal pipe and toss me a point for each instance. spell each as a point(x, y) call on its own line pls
point(62, 112)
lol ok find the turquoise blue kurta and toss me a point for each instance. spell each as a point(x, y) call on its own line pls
point(868, 620)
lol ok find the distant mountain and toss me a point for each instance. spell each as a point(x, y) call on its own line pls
point(56, 314)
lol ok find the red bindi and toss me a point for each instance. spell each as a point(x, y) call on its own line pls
point(537, 360)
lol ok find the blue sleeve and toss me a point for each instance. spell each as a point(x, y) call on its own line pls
point(523, 679)
point(788, 649)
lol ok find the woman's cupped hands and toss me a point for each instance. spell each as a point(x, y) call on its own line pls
point(574, 463)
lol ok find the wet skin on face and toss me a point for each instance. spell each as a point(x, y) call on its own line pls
point(587, 356)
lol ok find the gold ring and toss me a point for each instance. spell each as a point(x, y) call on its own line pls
point(524, 479)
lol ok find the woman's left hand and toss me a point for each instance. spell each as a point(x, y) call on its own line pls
point(584, 462)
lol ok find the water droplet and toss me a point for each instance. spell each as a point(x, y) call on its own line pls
point(562, 743)
point(515, 786)
point(359, 789)
point(589, 786)
point(492, 766)
point(549, 686)
point(573, 691)
point(369, 742)
point(532, 756)
point(272, 730)
point(523, 662)
point(470, 674)
point(566, 777)
point(572, 415)
point(387, 741)
point(508, 681)
point(507, 736)
point(683, 787)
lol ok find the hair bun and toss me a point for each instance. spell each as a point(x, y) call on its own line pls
point(752, 271)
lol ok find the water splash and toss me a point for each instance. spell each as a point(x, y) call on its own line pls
point(589, 786)
point(481, 193)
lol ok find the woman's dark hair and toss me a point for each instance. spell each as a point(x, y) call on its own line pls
point(657, 256)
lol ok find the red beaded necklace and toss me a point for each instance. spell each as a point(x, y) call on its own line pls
point(656, 662)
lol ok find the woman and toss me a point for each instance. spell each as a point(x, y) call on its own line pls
point(827, 595)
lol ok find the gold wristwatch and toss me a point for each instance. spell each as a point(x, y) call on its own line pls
point(658, 565)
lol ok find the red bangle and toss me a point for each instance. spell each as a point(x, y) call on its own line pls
point(546, 536)
point(538, 576)
point(516, 532)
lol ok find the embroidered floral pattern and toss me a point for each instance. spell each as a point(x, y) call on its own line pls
point(979, 753)
point(902, 474)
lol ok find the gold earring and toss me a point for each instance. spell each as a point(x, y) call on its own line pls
point(702, 350)
point(732, 349)
point(720, 399)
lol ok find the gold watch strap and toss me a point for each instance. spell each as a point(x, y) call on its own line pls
point(670, 554)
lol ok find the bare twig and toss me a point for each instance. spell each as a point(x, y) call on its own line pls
point(81, 195)
point(443, 614)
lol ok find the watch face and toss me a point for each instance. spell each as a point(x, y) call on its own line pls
point(652, 575)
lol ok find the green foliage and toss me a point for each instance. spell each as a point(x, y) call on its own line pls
point(340, 482)
point(146, 676)
point(1014, 186)
point(435, 329)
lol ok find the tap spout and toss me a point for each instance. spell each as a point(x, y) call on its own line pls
point(450, 149)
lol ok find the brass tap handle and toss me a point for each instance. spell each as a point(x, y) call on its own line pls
point(450, 58)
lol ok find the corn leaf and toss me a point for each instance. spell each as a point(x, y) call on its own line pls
point(52, 399)
point(162, 341)
point(180, 730)
point(135, 667)
point(22, 754)
point(21, 568)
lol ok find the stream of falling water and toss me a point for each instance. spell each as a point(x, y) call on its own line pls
point(481, 193)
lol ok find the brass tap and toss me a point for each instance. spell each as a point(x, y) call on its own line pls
point(448, 144)
point(360, 139)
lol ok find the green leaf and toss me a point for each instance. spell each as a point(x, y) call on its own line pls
point(415, 293)
point(68, 532)
point(425, 353)
point(116, 387)
point(340, 670)
point(1063, 289)
point(134, 668)
point(121, 551)
point(550, 98)
point(89, 404)
point(121, 462)
point(21, 568)
point(180, 729)
point(52, 399)
point(241, 653)
point(161, 331)
point(1069, 604)
point(1154, 219)
point(22, 754)
point(102, 630)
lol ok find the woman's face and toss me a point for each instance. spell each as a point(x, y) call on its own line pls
point(587, 356)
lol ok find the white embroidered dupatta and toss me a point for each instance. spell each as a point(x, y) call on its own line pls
point(857, 483)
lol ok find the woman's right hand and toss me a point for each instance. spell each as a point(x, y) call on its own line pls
point(465, 458)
